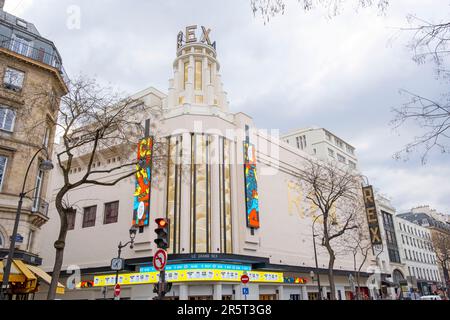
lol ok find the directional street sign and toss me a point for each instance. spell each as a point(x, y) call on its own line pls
point(117, 264)
point(160, 260)
point(245, 291)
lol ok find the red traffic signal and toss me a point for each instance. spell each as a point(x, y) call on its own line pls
point(162, 223)
point(162, 233)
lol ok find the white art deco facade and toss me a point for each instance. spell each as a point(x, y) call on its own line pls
point(222, 223)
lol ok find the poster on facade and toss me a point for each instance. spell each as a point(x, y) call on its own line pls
point(142, 193)
point(251, 186)
point(372, 217)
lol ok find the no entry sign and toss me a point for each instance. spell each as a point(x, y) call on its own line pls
point(117, 290)
point(160, 260)
point(245, 279)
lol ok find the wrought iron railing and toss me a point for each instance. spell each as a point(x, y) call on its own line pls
point(21, 47)
point(40, 206)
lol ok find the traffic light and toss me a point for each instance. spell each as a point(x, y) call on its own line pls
point(162, 233)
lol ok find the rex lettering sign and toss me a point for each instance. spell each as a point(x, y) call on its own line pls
point(190, 36)
point(372, 217)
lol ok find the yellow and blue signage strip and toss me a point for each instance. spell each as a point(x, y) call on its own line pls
point(189, 275)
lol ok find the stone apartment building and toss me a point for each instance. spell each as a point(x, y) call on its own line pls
point(32, 81)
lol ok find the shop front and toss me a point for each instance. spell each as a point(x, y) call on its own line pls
point(25, 280)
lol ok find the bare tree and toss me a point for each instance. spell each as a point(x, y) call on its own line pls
point(359, 245)
point(430, 43)
point(270, 8)
point(94, 120)
point(335, 191)
point(433, 117)
point(441, 244)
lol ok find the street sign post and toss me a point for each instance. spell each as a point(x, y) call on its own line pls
point(245, 292)
point(159, 263)
point(117, 291)
point(245, 279)
point(160, 260)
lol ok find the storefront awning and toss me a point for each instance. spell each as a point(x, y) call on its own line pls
point(46, 277)
point(25, 277)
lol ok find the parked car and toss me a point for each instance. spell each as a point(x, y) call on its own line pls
point(430, 298)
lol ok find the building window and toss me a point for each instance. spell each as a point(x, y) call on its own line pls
point(21, 23)
point(3, 163)
point(37, 190)
point(339, 143)
point(2, 240)
point(392, 246)
point(174, 182)
point(30, 240)
point(225, 197)
point(13, 79)
point(89, 216)
point(341, 158)
point(71, 218)
point(198, 75)
point(46, 137)
point(198, 99)
point(186, 73)
point(331, 153)
point(352, 164)
point(111, 212)
point(329, 136)
point(201, 194)
point(350, 150)
point(7, 119)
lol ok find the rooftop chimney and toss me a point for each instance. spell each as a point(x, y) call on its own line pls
point(2, 4)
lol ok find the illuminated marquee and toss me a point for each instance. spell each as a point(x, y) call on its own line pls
point(189, 275)
point(251, 186)
point(199, 266)
point(142, 193)
point(372, 217)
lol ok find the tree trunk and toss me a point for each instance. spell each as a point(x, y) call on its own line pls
point(331, 272)
point(59, 244)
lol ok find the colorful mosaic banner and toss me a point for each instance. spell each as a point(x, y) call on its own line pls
point(188, 276)
point(251, 186)
point(141, 207)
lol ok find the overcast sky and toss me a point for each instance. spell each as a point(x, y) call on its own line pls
point(299, 70)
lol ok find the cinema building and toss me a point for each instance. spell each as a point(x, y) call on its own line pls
point(223, 221)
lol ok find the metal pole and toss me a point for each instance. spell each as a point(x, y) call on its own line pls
point(161, 284)
point(117, 271)
point(12, 248)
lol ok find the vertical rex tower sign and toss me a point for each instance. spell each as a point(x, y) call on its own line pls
point(142, 193)
point(372, 217)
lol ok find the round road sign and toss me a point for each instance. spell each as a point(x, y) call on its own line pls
point(245, 279)
point(160, 260)
point(117, 290)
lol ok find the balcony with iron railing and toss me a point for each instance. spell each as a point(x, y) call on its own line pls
point(40, 55)
point(40, 206)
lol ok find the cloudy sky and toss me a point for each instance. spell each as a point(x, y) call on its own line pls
point(299, 70)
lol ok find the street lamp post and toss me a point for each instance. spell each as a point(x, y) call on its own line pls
point(132, 232)
point(315, 257)
point(45, 165)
